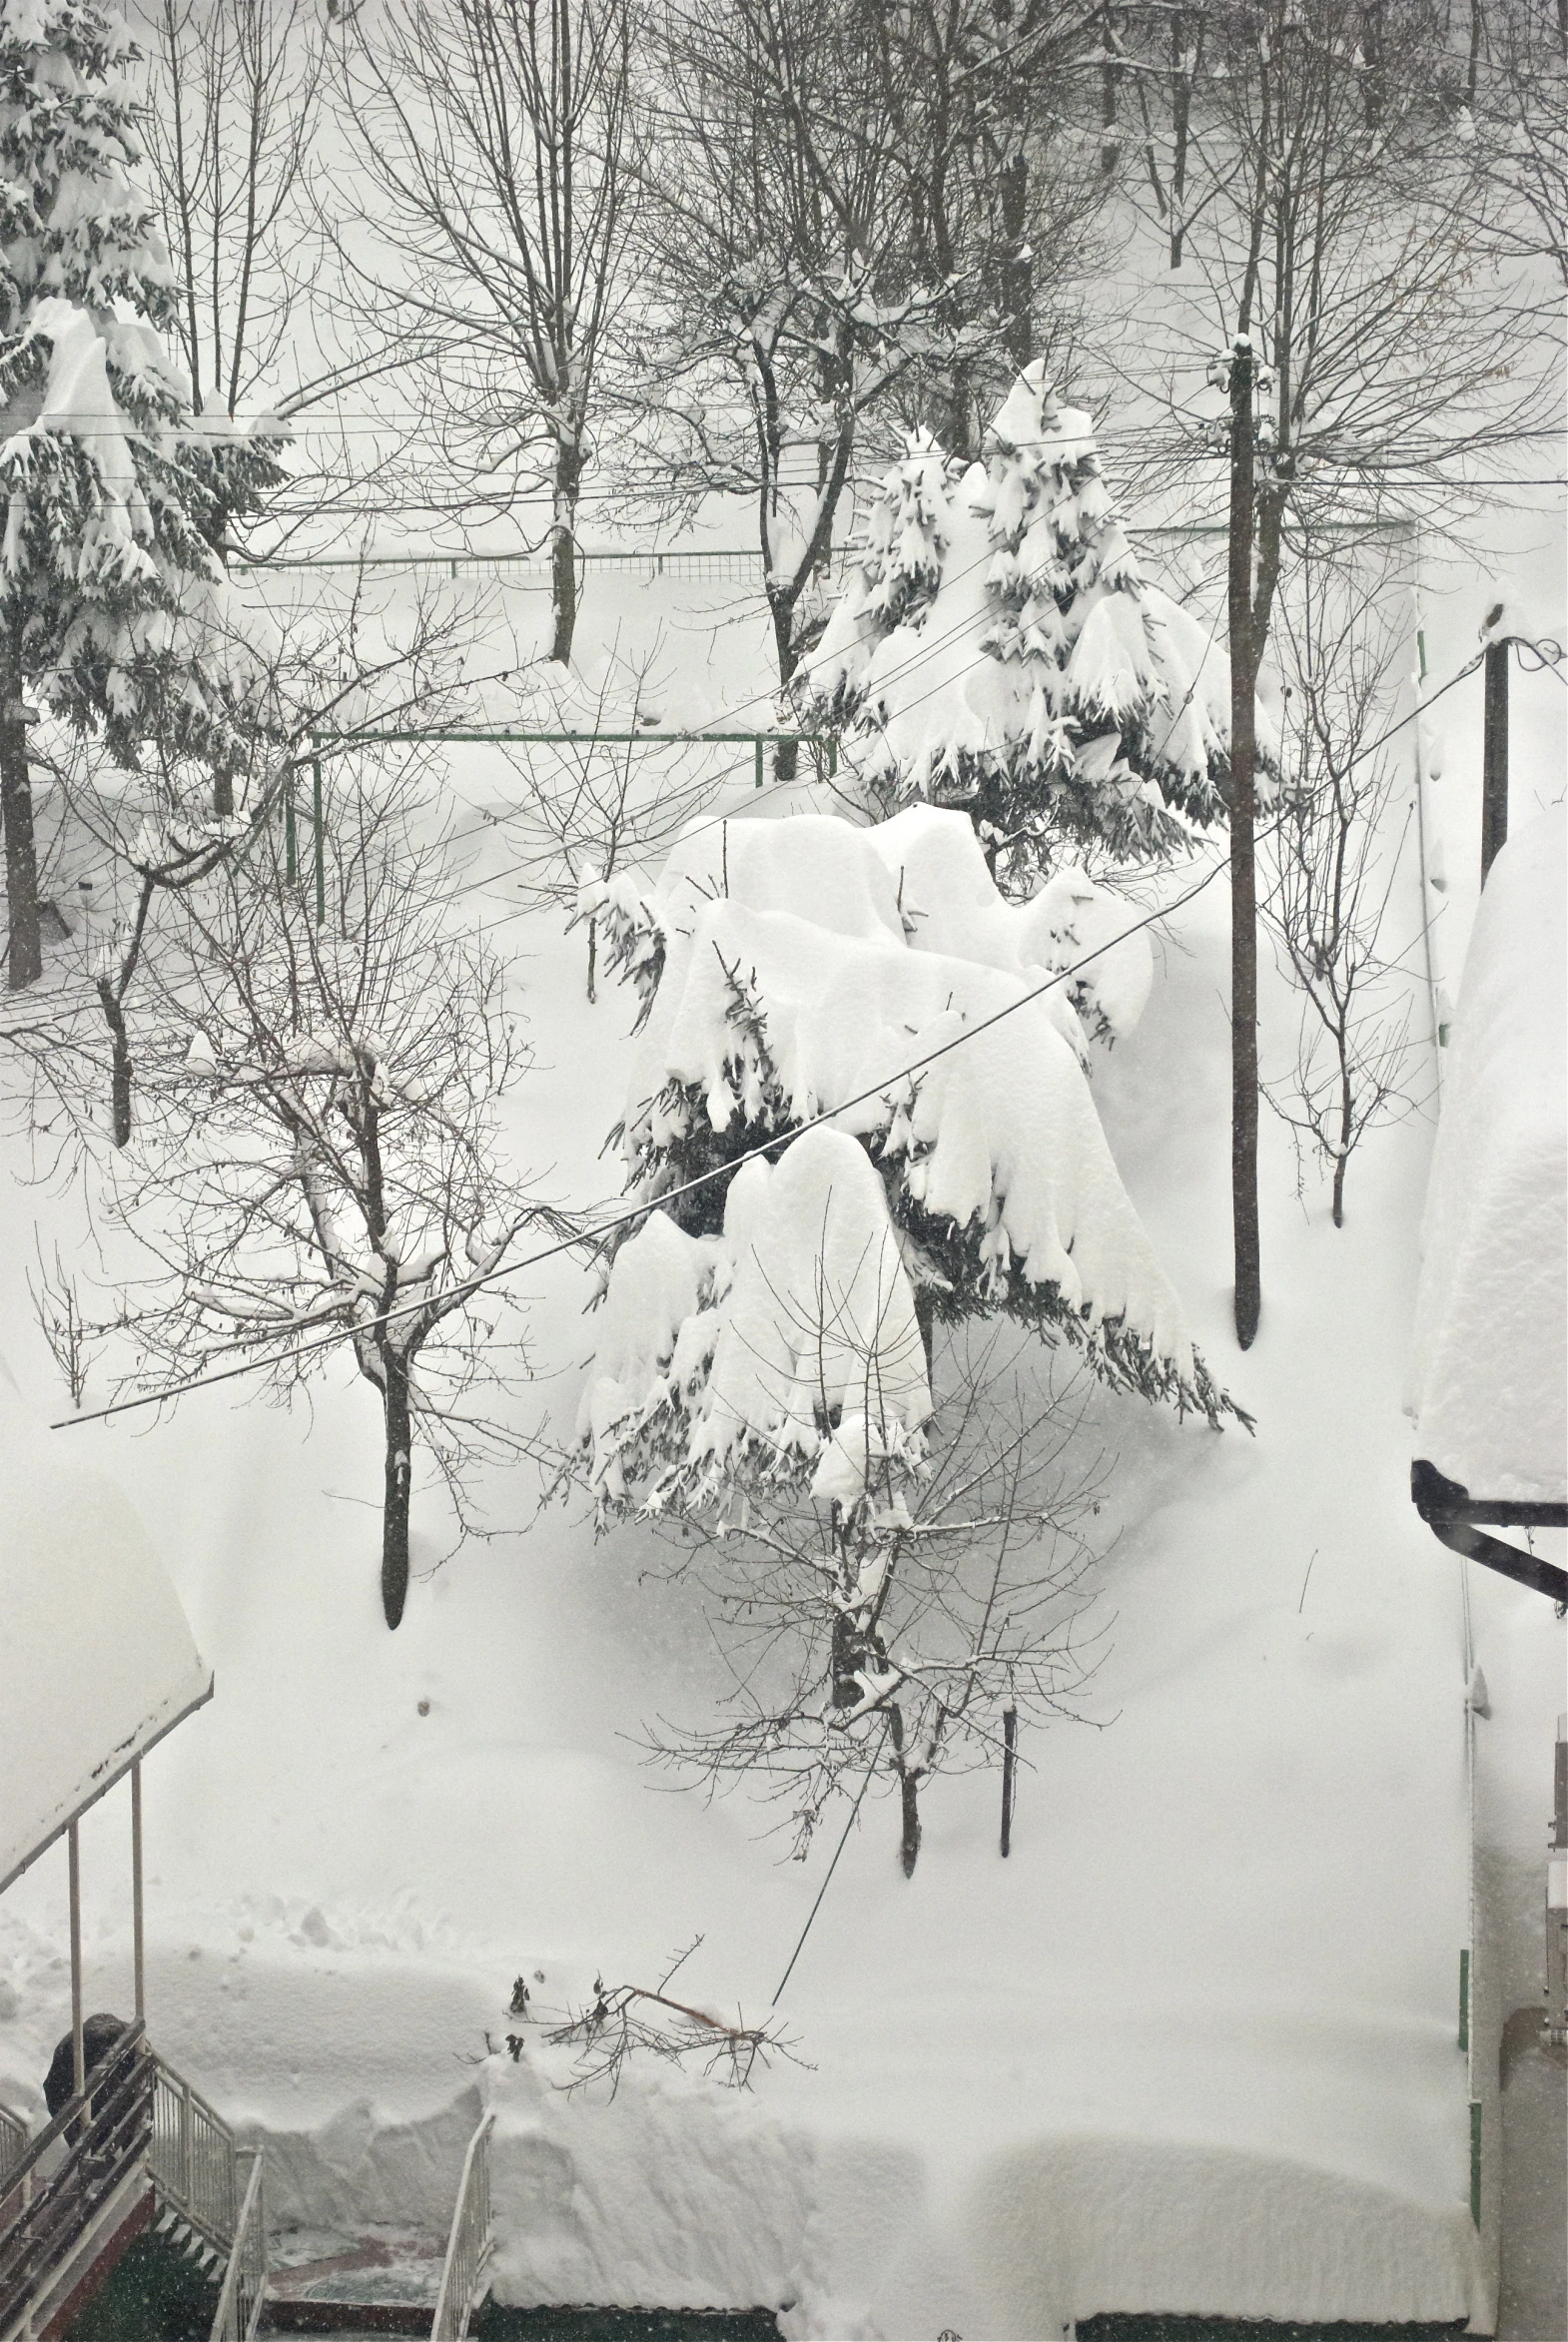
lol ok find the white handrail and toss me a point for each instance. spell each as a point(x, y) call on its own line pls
point(469, 2246)
point(238, 2310)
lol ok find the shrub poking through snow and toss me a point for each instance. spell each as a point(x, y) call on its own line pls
point(626, 2020)
point(998, 649)
point(793, 969)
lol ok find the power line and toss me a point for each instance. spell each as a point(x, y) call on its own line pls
point(623, 1216)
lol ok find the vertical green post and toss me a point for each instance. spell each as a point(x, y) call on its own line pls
point(833, 754)
point(1475, 2162)
point(291, 849)
point(1464, 2000)
point(758, 758)
point(321, 844)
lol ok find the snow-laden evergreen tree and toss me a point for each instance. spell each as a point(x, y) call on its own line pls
point(115, 606)
point(795, 970)
point(998, 649)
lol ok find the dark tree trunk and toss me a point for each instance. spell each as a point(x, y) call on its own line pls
point(909, 1831)
point(563, 554)
point(781, 606)
point(25, 959)
point(1017, 269)
point(1182, 125)
point(394, 1515)
point(120, 1064)
point(1243, 876)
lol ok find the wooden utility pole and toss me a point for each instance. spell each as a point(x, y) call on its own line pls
point(1494, 757)
point(1244, 877)
point(25, 960)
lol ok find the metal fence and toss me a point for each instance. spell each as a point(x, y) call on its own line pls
point(13, 2140)
point(721, 564)
point(195, 2162)
point(69, 2175)
point(245, 2280)
point(464, 2274)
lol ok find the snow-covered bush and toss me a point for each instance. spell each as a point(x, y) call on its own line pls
point(805, 968)
point(114, 605)
point(997, 648)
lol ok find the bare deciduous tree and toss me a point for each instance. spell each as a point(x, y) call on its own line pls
point(233, 97)
point(68, 1333)
point(500, 138)
point(322, 1156)
point(780, 276)
point(1335, 856)
point(883, 1619)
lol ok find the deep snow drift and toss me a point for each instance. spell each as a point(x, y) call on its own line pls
point(1492, 1378)
point(1192, 2046)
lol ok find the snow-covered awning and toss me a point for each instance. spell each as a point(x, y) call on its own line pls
point(97, 1660)
point(1491, 1322)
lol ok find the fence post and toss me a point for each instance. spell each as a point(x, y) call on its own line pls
point(757, 757)
point(321, 844)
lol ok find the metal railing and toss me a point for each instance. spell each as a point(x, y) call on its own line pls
point(195, 2162)
point(13, 2139)
point(726, 564)
point(464, 2273)
point(245, 2280)
point(67, 2176)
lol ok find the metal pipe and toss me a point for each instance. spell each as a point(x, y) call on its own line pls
point(78, 2048)
point(138, 1962)
point(1451, 1513)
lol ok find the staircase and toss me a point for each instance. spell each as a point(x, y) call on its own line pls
point(140, 2147)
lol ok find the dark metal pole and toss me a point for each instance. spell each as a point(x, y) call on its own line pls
point(1008, 1772)
point(78, 2045)
point(1494, 758)
point(138, 1932)
point(1243, 876)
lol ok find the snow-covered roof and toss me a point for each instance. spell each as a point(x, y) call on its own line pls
point(97, 1660)
point(1491, 1323)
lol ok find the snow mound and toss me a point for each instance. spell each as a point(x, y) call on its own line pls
point(682, 2196)
point(1492, 1322)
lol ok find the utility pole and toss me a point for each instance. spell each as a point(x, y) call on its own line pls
point(24, 942)
point(1243, 876)
point(1494, 752)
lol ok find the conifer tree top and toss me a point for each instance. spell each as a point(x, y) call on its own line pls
point(998, 647)
point(73, 224)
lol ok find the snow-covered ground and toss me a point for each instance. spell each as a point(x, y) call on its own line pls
point(1192, 2048)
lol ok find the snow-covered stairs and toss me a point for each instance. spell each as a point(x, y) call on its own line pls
point(384, 2281)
